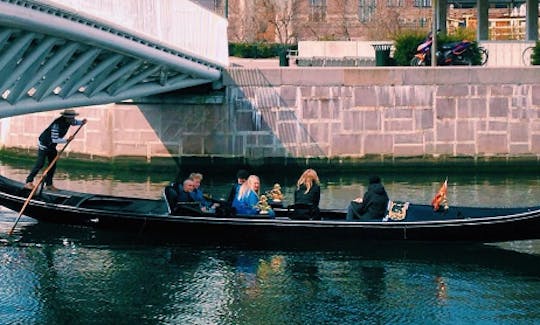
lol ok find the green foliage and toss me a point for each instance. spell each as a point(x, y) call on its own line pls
point(405, 46)
point(535, 56)
point(257, 50)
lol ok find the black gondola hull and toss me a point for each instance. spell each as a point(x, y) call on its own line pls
point(149, 217)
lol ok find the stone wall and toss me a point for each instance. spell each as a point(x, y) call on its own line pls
point(319, 112)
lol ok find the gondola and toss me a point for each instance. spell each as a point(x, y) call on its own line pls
point(155, 217)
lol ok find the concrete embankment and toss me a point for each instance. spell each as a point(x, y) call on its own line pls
point(318, 116)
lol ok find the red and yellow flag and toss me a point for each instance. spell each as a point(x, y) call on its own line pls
point(440, 197)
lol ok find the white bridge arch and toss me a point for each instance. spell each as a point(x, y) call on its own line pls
point(53, 56)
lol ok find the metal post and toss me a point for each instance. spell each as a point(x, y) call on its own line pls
point(482, 33)
point(435, 7)
point(532, 20)
point(226, 9)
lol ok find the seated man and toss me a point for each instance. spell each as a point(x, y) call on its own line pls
point(185, 204)
point(184, 194)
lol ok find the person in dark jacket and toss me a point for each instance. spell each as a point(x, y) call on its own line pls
point(241, 176)
point(184, 193)
point(307, 196)
point(49, 138)
point(373, 205)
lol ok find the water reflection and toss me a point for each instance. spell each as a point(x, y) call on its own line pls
point(60, 277)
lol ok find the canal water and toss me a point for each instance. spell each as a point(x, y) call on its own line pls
point(54, 274)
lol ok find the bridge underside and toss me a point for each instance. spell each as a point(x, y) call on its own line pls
point(50, 60)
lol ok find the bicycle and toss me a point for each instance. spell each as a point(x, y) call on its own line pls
point(526, 55)
point(483, 55)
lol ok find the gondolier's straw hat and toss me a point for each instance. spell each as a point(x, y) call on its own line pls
point(69, 113)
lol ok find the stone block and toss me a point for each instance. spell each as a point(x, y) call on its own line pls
point(535, 91)
point(371, 120)
point(408, 150)
point(217, 144)
point(265, 139)
point(128, 149)
point(444, 149)
point(311, 109)
point(445, 108)
point(453, 91)
point(387, 96)
point(306, 91)
point(239, 146)
point(326, 112)
point(350, 119)
point(372, 76)
point(378, 144)
point(313, 76)
point(398, 112)
point(288, 132)
point(192, 144)
point(365, 97)
point(465, 149)
point(319, 132)
point(535, 144)
point(497, 126)
point(501, 90)
point(159, 150)
point(423, 119)
point(322, 92)
point(499, 107)
point(288, 95)
point(287, 115)
point(519, 148)
point(347, 144)
point(244, 121)
point(335, 91)
point(409, 139)
point(251, 139)
point(465, 131)
point(446, 131)
point(471, 108)
point(400, 125)
point(489, 143)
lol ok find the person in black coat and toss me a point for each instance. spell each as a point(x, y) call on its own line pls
point(241, 176)
point(48, 139)
point(307, 196)
point(373, 205)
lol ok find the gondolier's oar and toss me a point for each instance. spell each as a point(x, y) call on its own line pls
point(42, 178)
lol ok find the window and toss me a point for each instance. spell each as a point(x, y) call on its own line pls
point(422, 3)
point(366, 9)
point(394, 3)
point(317, 10)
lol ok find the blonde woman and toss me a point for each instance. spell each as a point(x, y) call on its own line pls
point(307, 196)
point(248, 197)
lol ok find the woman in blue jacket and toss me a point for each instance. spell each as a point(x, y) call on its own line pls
point(248, 197)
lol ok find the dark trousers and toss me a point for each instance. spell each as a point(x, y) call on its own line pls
point(42, 154)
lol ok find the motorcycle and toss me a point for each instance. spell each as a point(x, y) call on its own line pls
point(455, 53)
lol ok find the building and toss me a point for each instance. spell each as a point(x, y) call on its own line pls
point(288, 21)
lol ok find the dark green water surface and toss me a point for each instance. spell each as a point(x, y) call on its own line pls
point(54, 274)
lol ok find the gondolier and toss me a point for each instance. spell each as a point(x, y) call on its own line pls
point(48, 139)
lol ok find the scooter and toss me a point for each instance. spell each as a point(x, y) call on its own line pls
point(455, 53)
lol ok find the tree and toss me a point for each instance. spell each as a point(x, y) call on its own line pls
point(281, 16)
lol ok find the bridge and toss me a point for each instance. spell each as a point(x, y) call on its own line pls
point(56, 54)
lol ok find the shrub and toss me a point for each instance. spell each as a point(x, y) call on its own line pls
point(257, 50)
point(535, 56)
point(405, 46)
